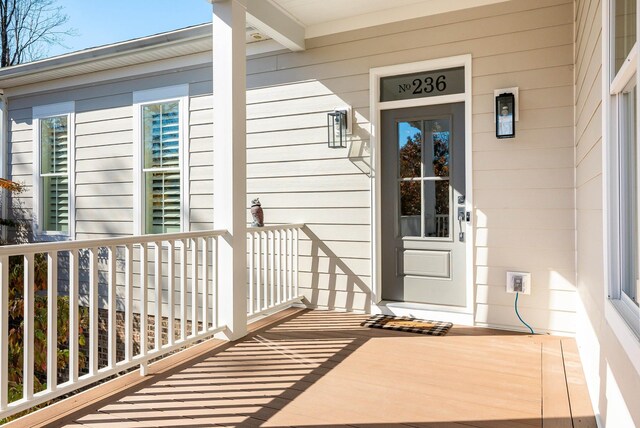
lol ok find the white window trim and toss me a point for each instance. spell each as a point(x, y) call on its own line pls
point(617, 313)
point(43, 112)
point(178, 93)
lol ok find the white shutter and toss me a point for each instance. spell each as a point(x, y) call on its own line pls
point(162, 167)
point(54, 146)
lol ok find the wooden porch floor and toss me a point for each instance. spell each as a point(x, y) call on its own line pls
point(321, 369)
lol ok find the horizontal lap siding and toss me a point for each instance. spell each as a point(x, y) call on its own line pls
point(104, 151)
point(595, 337)
point(523, 188)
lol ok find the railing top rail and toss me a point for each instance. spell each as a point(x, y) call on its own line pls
point(43, 247)
point(275, 227)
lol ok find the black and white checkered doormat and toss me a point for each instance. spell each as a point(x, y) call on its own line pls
point(408, 324)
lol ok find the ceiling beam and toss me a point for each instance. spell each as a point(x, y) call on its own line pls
point(272, 21)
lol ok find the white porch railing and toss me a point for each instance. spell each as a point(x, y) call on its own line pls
point(273, 268)
point(127, 283)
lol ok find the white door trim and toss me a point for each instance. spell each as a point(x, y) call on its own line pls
point(443, 312)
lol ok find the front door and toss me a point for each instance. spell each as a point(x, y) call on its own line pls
point(423, 205)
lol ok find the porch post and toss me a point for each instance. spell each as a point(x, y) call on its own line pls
point(229, 160)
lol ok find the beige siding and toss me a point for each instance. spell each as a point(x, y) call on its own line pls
point(605, 362)
point(104, 151)
point(523, 188)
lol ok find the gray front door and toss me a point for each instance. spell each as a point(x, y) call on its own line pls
point(423, 217)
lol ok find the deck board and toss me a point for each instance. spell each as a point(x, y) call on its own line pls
point(322, 369)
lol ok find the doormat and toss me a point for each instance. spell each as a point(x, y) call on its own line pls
point(409, 325)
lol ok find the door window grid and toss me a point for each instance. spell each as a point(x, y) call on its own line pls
point(416, 182)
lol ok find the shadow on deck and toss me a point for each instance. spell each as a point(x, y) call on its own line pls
point(321, 369)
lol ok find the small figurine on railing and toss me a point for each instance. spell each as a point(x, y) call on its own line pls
point(256, 213)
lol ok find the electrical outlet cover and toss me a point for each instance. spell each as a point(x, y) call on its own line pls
point(523, 279)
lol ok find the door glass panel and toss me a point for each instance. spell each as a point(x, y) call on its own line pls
point(410, 208)
point(436, 208)
point(437, 138)
point(410, 149)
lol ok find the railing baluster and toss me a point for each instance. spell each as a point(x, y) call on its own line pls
point(290, 254)
point(128, 296)
point(183, 289)
point(258, 272)
point(265, 259)
point(93, 310)
point(28, 335)
point(74, 315)
point(171, 277)
point(52, 320)
point(272, 282)
point(287, 296)
point(205, 284)
point(157, 322)
point(144, 283)
point(4, 332)
point(214, 279)
point(112, 333)
point(194, 286)
point(251, 256)
point(296, 261)
point(279, 266)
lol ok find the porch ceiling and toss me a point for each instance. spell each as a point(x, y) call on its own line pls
point(333, 16)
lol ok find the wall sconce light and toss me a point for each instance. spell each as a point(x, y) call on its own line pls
point(338, 128)
point(506, 113)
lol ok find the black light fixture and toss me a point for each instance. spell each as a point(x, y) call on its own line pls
point(505, 115)
point(337, 129)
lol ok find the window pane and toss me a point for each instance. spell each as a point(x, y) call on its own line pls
point(56, 203)
point(410, 208)
point(624, 30)
point(161, 135)
point(53, 145)
point(437, 137)
point(162, 190)
point(436, 208)
point(410, 149)
point(629, 199)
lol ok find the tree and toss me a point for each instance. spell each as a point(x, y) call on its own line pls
point(28, 28)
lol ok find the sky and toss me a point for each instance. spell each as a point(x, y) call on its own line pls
point(100, 22)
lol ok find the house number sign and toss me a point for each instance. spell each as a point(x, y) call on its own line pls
point(424, 84)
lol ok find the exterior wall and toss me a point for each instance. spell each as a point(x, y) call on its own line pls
point(523, 188)
point(614, 383)
point(104, 151)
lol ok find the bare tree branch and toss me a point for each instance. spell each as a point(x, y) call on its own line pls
point(28, 28)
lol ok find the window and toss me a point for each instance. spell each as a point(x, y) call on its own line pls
point(161, 135)
point(53, 169)
point(623, 173)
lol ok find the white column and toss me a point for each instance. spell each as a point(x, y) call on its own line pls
point(229, 161)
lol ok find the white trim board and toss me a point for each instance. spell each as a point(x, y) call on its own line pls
point(375, 74)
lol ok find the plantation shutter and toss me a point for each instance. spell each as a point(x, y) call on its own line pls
point(162, 167)
point(54, 173)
